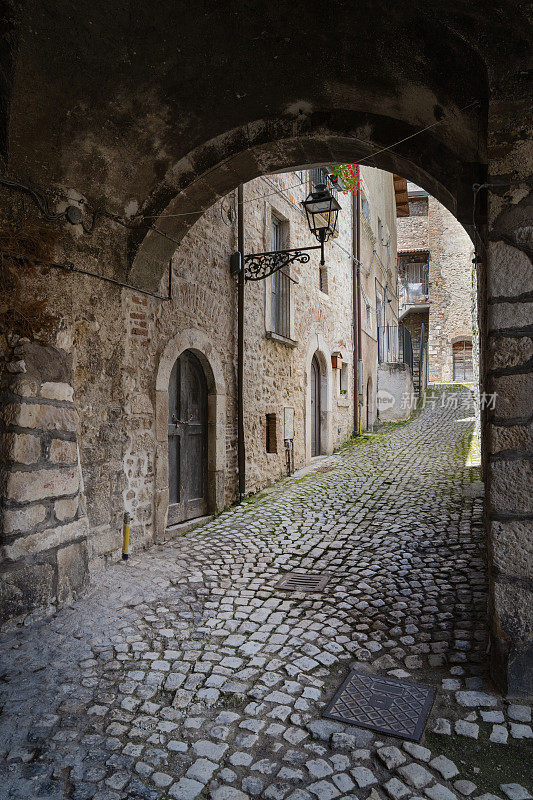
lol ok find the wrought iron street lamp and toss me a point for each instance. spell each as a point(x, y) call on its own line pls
point(322, 210)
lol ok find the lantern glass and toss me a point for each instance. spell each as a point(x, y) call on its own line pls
point(322, 210)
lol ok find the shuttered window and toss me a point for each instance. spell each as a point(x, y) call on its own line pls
point(280, 287)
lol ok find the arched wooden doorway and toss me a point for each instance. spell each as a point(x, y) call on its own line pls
point(369, 404)
point(187, 440)
point(316, 447)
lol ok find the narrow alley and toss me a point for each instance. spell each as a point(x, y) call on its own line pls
point(186, 672)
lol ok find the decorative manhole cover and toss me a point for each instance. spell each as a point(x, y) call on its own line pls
point(386, 705)
point(303, 582)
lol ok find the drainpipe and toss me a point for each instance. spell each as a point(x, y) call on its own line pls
point(356, 311)
point(241, 452)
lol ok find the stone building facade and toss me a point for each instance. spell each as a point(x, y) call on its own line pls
point(87, 418)
point(379, 296)
point(436, 287)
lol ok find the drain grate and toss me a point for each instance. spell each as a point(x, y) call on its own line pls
point(303, 582)
point(386, 705)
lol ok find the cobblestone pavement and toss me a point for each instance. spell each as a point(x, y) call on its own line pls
point(186, 673)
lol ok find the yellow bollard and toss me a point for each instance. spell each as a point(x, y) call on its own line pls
point(126, 537)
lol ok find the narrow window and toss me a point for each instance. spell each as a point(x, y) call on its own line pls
point(280, 286)
point(271, 433)
point(343, 380)
point(365, 207)
point(315, 176)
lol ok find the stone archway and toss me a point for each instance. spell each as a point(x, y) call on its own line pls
point(198, 343)
point(317, 348)
point(465, 98)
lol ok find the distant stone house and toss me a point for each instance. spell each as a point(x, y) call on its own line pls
point(436, 291)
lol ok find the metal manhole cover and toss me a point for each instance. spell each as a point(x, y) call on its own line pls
point(303, 582)
point(386, 705)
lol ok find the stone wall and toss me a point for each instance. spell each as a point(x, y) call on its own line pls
point(507, 362)
point(432, 228)
point(43, 557)
point(396, 394)
point(277, 370)
point(379, 278)
point(451, 289)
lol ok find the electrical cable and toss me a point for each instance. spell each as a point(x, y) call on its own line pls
point(71, 268)
point(42, 202)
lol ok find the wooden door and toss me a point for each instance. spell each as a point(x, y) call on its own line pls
point(463, 369)
point(187, 440)
point(315, 408)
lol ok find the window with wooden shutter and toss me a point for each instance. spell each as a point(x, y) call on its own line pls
point(280, 288)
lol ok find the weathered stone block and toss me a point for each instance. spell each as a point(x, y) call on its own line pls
point(512, 547)
point(63, 452)
point(104, 543)
point(510, 271)
point(57, 391)
point(21, 447)
point(141, 404)
point(23, 519)
point(72, 571)
point(24, 386)
point(161, 416)
point(509, 315)
point(54, 537)
point(513, 437)
point(24, 587)
point(507, 351)
point(513, 396)
point(510, 486)
point(34, 415)
point(25, 487)
point(512, 602)
point(66, 508)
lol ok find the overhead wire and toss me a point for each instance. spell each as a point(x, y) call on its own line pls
point(150, 226)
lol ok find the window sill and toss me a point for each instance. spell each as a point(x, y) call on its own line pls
point(276, 337)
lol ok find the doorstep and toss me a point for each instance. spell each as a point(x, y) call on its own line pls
point(185, 527)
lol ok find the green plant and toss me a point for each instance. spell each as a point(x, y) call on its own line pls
point(349, 175)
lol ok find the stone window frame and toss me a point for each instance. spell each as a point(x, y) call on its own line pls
point(273, 209)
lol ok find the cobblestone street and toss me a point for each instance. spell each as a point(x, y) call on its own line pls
point(186, 673)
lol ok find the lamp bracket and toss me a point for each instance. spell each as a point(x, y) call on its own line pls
point(258, 266)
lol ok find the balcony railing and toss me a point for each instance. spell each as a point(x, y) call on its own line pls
point(413, 293)
point(388, 343)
